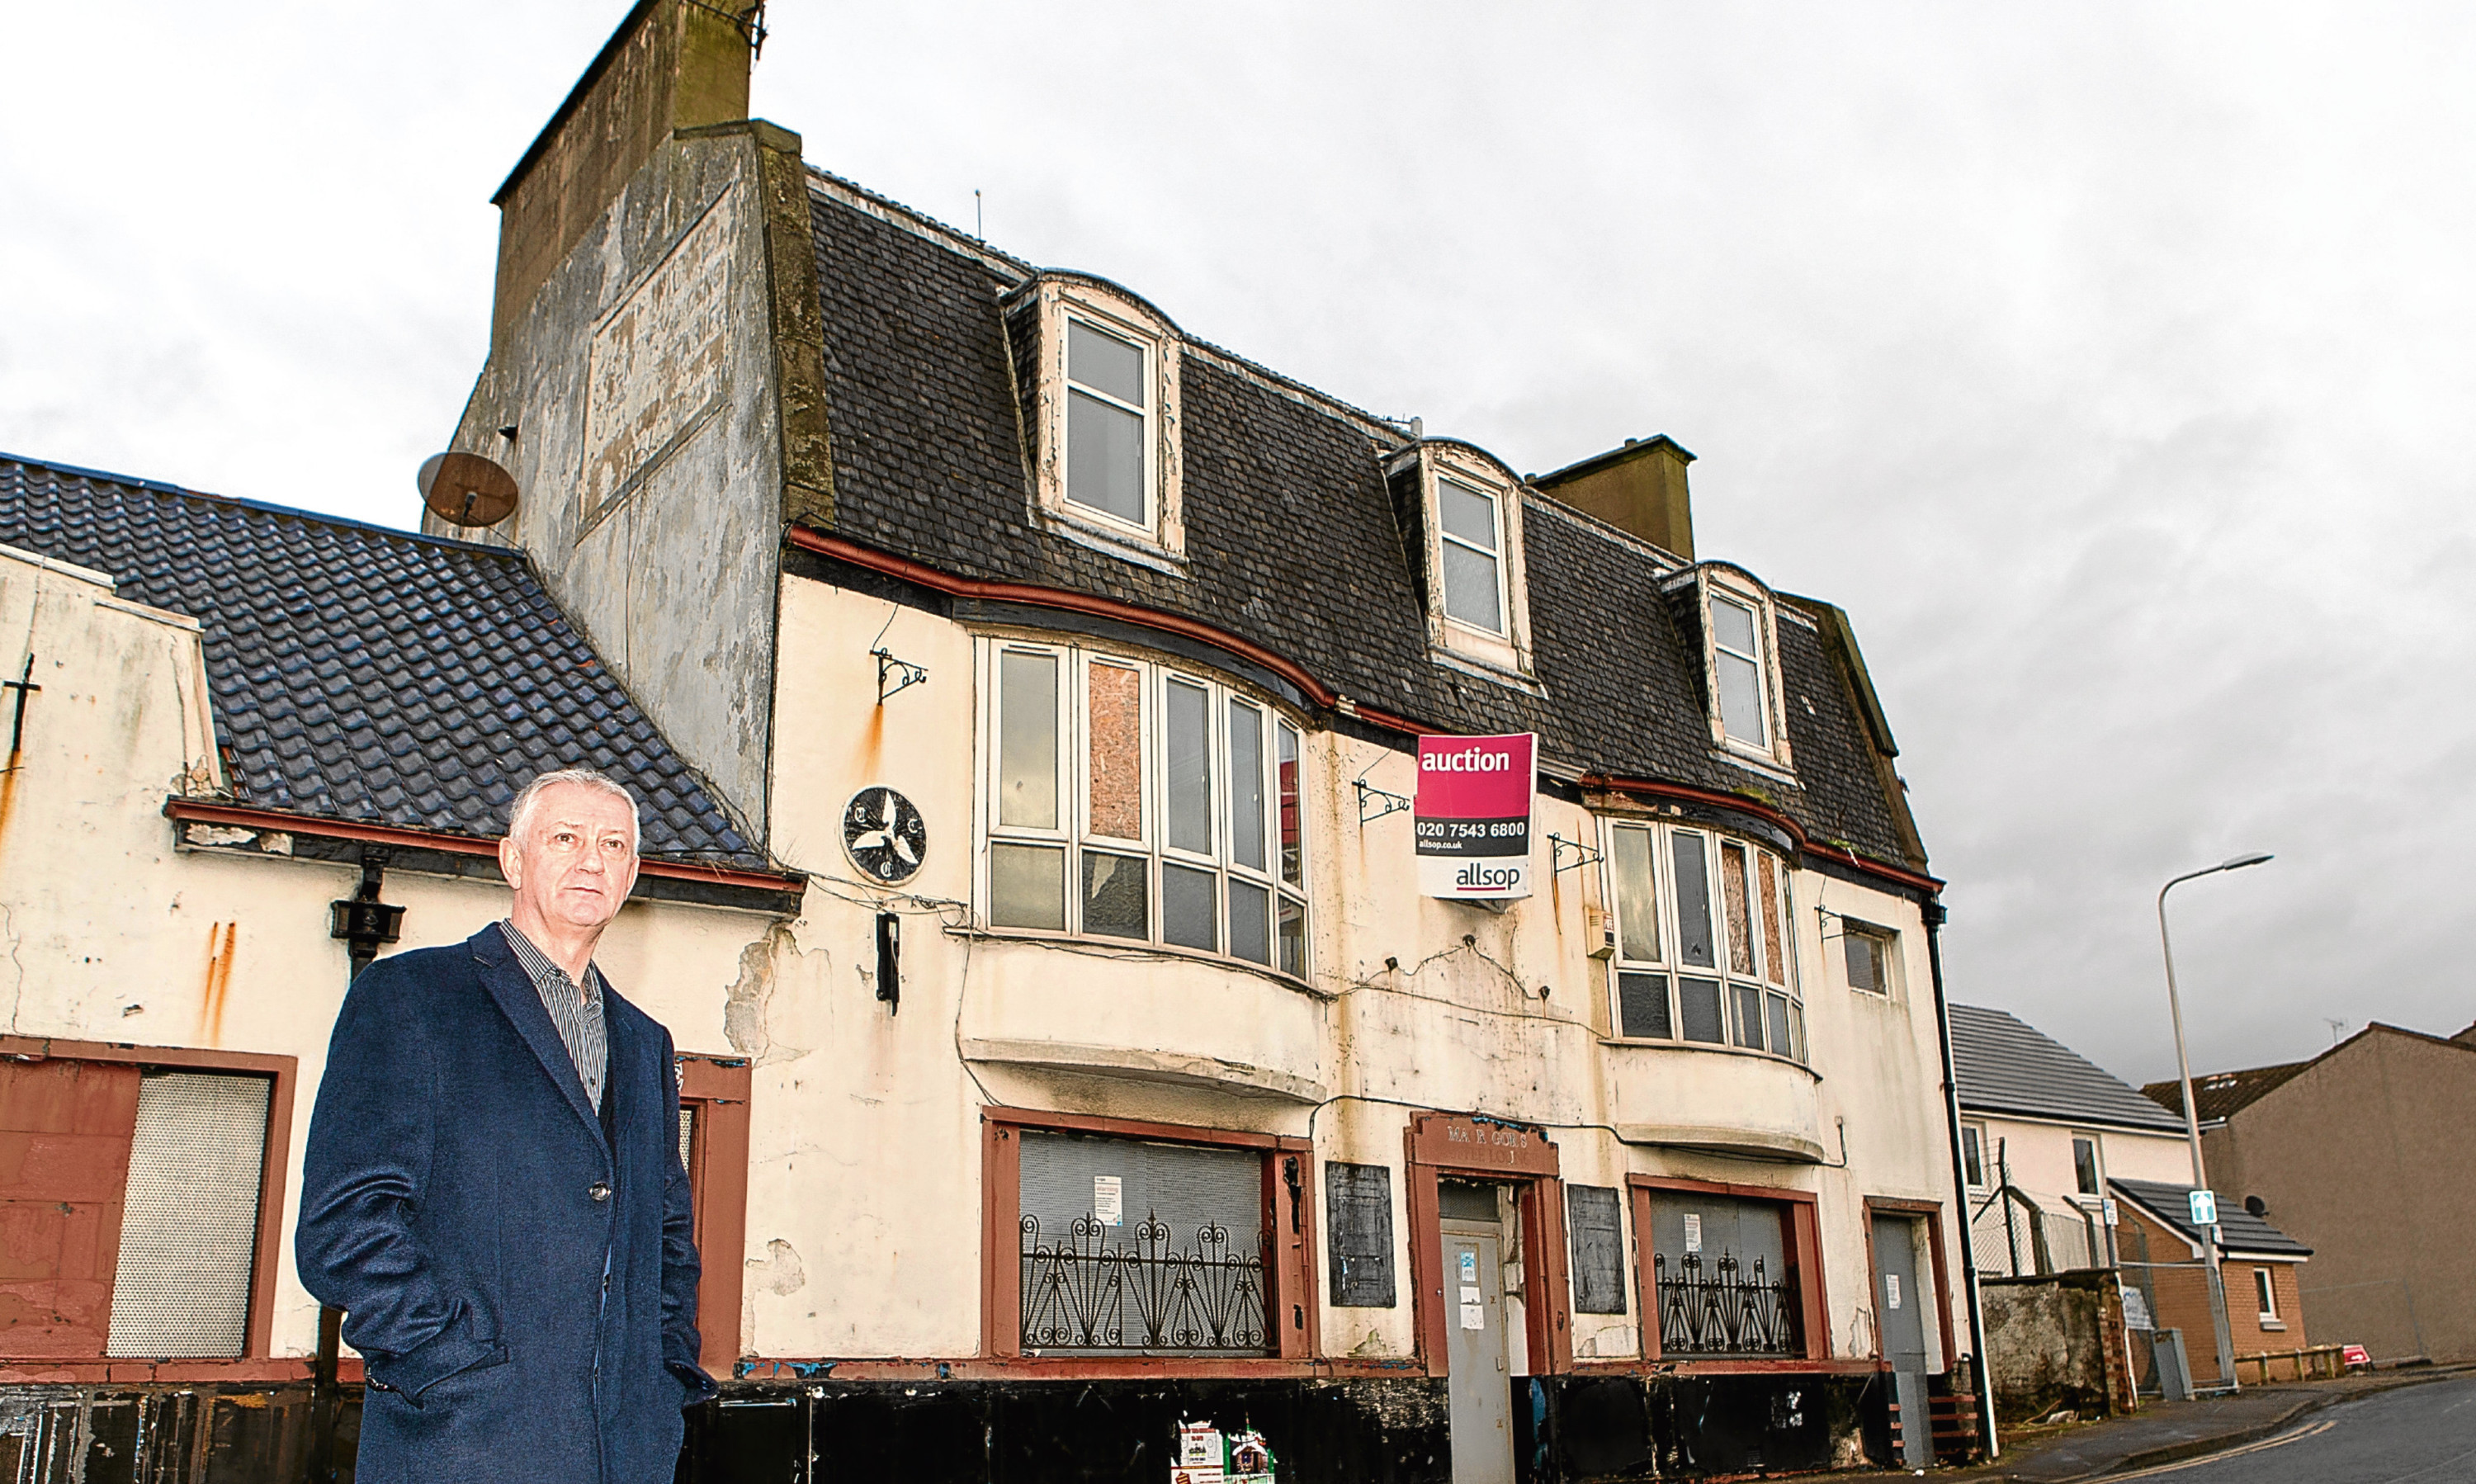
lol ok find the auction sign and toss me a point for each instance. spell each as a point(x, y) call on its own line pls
point(1472, 815)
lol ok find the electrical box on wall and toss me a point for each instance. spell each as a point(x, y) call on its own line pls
point(1600, 930)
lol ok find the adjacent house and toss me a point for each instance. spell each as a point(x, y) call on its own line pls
point(2258, 1263)
point(2361, 1155)
point(1031, 700)
point(2043, 1129)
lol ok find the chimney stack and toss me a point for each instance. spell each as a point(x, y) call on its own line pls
point(672, 64)
point(1639, 488)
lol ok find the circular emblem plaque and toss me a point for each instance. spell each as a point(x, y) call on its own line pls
point(884, 833)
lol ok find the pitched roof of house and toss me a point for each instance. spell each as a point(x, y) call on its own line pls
point(2221, 1094)
point(2005, 1065)
point(2217, 1094)
point(2239, 1229)
point(1292, 542)
point(369, 674)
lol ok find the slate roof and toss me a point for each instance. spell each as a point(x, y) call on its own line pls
point(2239, 1229)
point(2005, 1065)
point(1291, 536)
point(368, 674)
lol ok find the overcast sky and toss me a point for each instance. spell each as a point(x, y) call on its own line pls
point(2112, 364)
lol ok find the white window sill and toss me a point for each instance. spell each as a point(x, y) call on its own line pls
point(1131, 947)
point(2268, 1322)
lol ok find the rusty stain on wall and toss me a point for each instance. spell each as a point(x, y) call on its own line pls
point(222, 938)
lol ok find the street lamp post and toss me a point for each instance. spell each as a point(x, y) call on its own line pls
point(2193, 1117)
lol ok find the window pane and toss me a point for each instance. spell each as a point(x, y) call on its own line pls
point(1750, 1015)
point(1972, 1155)
point(1246, 785)
point(1105, 362)
point(1294, 938)
point(1470, 589)
point(1637, 899)
point(1774, 964)
point(1698, 1001)
point(1642, 1005)
point(1027, 886)
point(1467, 513)
point(1741, 925)
point(1115, 732)
point(1190, 907)
point(1104, 456)
point(1190, 767)
point(1733, 625)
point(1693, 901)
point(1292, 852)
point(1028, 739)
point(1117, 898)
point(1741, 702)
point(1797, 1029)
point(2085, 1165)
point(1865, 960)
point(1251, 925)
point(1778, 1025)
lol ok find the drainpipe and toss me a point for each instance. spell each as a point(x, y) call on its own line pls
point(1933, 915)
point(363, 924)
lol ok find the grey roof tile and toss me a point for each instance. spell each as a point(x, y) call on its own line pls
point(2239, 1229)
point(2005, 1065)
point(333, 648)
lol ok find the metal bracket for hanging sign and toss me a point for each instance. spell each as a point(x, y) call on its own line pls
point(1583, 856)
point(1387, 802)
point(907, 674)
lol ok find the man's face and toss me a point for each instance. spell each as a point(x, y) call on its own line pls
point(576, 859)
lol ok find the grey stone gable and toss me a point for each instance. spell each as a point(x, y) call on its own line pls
point(2239, 1229)
point(2005, 1065)
point(1293, 540)
point(368, 674)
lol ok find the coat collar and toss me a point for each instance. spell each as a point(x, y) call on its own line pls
point(521, 1003)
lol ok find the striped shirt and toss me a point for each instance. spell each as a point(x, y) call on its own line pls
point(577, 1013)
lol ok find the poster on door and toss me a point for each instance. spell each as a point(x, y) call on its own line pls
point(1472, 816)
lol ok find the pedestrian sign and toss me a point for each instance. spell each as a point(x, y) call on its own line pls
point(2205, 1208)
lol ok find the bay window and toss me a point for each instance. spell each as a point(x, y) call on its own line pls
point(1137, 801)
point(1705, 947)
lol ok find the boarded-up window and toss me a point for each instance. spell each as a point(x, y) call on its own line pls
point(1595, 1223)
point(1741, 932)
point(1116, 736)
point(64, 1132)
point(1358, 1221)
point(189, 1235)
point(1127, 1244)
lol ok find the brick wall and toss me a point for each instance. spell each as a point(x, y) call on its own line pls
point(2181, 1298)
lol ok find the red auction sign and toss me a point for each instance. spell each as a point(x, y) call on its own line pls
point(1472, 815)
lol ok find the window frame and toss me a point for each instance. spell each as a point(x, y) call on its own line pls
point(1714, 846)
point(1720, 581)
point(1073, 838)
point(1161, 535)
point(284, 1076)
point(1972, 1156)
point(1886, 956)
point(2093, 1189)
point(1802, 1251)
point(717, 1089)
point(2264, 1288)
point(1291, 1300)
point(1504, 651)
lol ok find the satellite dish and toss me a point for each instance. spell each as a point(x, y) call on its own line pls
point(467, 489)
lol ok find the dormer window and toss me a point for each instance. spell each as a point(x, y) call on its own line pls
point(1473, 555)
point(1466, 507)
point(1103, 411)
point(1741, 660)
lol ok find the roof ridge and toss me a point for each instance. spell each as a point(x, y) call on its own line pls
point(266, 508)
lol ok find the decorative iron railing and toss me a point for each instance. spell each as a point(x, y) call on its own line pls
point(1725, 1310)
point(1084, 1292)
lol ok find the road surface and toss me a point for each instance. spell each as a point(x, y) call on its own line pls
point(2422, 1434)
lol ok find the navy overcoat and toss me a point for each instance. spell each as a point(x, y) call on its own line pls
point(518, 1271)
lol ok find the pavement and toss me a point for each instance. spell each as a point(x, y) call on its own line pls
point(2164, 1432)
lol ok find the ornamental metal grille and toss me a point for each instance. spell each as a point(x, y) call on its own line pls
point(1144, 1292)
point(1723, 1310)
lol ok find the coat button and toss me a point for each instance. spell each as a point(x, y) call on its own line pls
point(599, 1189)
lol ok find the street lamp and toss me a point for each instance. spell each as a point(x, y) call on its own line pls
point(2192, 1116)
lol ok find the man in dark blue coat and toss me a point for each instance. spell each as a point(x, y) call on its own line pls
point(493, 1191)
